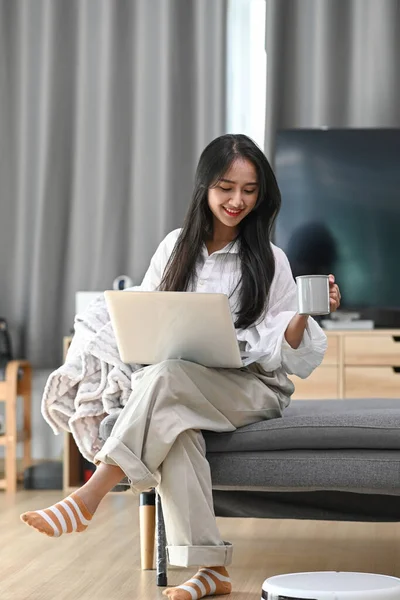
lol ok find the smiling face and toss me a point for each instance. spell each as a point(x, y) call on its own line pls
point(233, 197)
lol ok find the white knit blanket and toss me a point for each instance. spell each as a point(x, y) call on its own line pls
point(92, 383)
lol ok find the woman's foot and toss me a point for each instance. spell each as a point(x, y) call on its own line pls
point(212, 581)
point(68, 516)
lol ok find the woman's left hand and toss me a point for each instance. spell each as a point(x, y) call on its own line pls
point(334, 294)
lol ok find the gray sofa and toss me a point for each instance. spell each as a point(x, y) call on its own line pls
point(327, 459)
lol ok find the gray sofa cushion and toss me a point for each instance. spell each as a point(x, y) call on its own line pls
point(324, 424)
point(366, 471)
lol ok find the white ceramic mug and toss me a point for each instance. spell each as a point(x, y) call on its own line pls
point(313, 295)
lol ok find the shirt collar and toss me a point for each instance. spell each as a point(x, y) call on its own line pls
point(231, 248)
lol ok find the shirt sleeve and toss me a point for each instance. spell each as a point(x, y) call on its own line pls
point(269, 335)
point(155, 272)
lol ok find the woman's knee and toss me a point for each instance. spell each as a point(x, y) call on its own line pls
point(171, 365)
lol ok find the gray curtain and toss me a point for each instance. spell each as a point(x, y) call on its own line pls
point(105, 107)
point(332, 63)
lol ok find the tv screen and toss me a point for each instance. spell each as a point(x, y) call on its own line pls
point(341, 210)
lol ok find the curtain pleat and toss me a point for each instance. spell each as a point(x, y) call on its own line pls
point(104, 109)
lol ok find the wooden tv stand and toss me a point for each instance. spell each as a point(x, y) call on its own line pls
point(357, 364)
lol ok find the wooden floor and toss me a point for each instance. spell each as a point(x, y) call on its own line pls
point(103, 563)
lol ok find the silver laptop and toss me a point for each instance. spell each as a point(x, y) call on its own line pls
point(151, 327)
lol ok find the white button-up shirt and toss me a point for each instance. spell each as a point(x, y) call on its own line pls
point(220, 273)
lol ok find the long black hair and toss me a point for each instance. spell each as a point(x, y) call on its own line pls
point(255, 252)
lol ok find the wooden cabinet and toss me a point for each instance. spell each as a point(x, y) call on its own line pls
point(333, 351)
point(373, 350)
point(371, 382)
point(323, 383)
point(362, 364)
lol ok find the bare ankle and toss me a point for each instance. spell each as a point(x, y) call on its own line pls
point(90, 500)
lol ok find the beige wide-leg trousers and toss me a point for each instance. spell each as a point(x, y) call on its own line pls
point(157, 442)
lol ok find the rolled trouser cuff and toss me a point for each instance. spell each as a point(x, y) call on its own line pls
point(114, 452)
point(204, 556)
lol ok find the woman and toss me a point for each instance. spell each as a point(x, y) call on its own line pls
point(225, 247)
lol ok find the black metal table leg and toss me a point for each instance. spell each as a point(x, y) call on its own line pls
point(161, 555)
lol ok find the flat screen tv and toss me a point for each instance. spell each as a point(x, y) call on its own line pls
point(341, 213)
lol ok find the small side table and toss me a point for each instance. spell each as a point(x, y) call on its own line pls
point(17, 382)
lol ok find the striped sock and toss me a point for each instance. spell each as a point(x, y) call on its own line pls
point(66, 516)
point(214, 581)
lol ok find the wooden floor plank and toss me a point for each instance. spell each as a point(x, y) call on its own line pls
point(104, 562)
